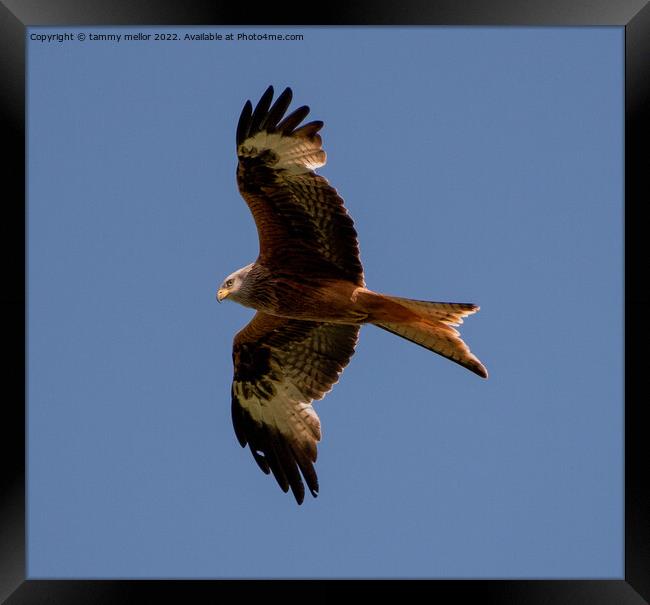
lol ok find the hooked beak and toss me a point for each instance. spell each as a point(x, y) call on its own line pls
point(221, 294)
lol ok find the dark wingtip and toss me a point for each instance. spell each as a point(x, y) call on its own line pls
point(309, 130)
point(266, 117)
point(261, 110)
point(278, 110)
point(293, 119)
point(243, 126)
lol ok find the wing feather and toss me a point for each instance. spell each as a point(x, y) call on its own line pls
point(301, 219)
point(261, 109)
point(280, 366)
point(293, 119)
point(309, 129)
point(276, 112)
point(243, 126)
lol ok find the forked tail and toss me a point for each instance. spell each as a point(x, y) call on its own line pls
point(429, 324)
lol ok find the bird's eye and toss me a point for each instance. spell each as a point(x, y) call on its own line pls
point(229, 283)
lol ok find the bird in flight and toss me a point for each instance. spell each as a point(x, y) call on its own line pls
point(308, 289)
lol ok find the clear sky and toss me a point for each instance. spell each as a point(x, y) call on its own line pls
point(480, 165)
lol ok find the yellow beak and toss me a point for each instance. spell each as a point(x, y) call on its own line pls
point(222, 293)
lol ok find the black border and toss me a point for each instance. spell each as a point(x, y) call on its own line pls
point(633, 14)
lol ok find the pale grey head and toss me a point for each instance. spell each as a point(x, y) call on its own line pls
point(234, 286)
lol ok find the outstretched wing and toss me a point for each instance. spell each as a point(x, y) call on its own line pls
point(280, 366)
point(300, 218)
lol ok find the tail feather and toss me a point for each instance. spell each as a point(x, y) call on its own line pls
point(430, 327)
point(449, 313)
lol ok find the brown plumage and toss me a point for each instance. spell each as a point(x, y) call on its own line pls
point(308, 288)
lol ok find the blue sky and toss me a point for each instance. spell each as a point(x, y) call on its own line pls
point(480, 165)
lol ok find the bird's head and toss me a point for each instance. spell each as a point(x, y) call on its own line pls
point(231, 286)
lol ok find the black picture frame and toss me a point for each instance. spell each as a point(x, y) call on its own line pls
point(17, 15)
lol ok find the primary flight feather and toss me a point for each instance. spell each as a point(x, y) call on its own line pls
point(308, 289)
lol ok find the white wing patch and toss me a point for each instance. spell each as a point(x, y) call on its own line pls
point(287, 410)
point(296, 155)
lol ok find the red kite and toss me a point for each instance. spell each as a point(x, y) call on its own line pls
point(308, 289)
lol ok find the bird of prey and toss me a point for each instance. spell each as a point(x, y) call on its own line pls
point(308, 289)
